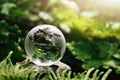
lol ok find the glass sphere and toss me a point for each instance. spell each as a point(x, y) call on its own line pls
point(45, 44)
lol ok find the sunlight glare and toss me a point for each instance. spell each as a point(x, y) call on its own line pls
point(111, 2)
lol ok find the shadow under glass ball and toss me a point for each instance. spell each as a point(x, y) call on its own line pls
point(45, 44)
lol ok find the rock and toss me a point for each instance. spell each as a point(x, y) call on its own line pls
point(61, 65)
point(43, 69)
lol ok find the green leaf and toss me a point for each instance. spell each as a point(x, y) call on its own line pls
point(6, 8)
point(82, 50)
point(96, 54)
point(92, 63)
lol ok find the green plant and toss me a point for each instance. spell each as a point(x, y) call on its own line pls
point(66, 75)
point(10, 39)
point(8, 71)
point(96, 53)
point(98, 41)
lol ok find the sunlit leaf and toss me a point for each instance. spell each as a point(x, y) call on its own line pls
point(6, 7)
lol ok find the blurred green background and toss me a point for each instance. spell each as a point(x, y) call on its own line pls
point(91, 28)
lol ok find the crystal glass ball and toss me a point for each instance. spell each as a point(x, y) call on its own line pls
point(45, 44)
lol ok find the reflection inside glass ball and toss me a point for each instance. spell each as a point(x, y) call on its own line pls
point(45, 44)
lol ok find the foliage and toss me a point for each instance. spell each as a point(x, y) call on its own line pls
point(96, 54)
point(8, 71)
point(92, 41)
point(66, 75)
point(10, 39)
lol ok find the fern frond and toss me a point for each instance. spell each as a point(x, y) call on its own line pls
point(106, 74)
point(8, 71)
point(88, 74)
